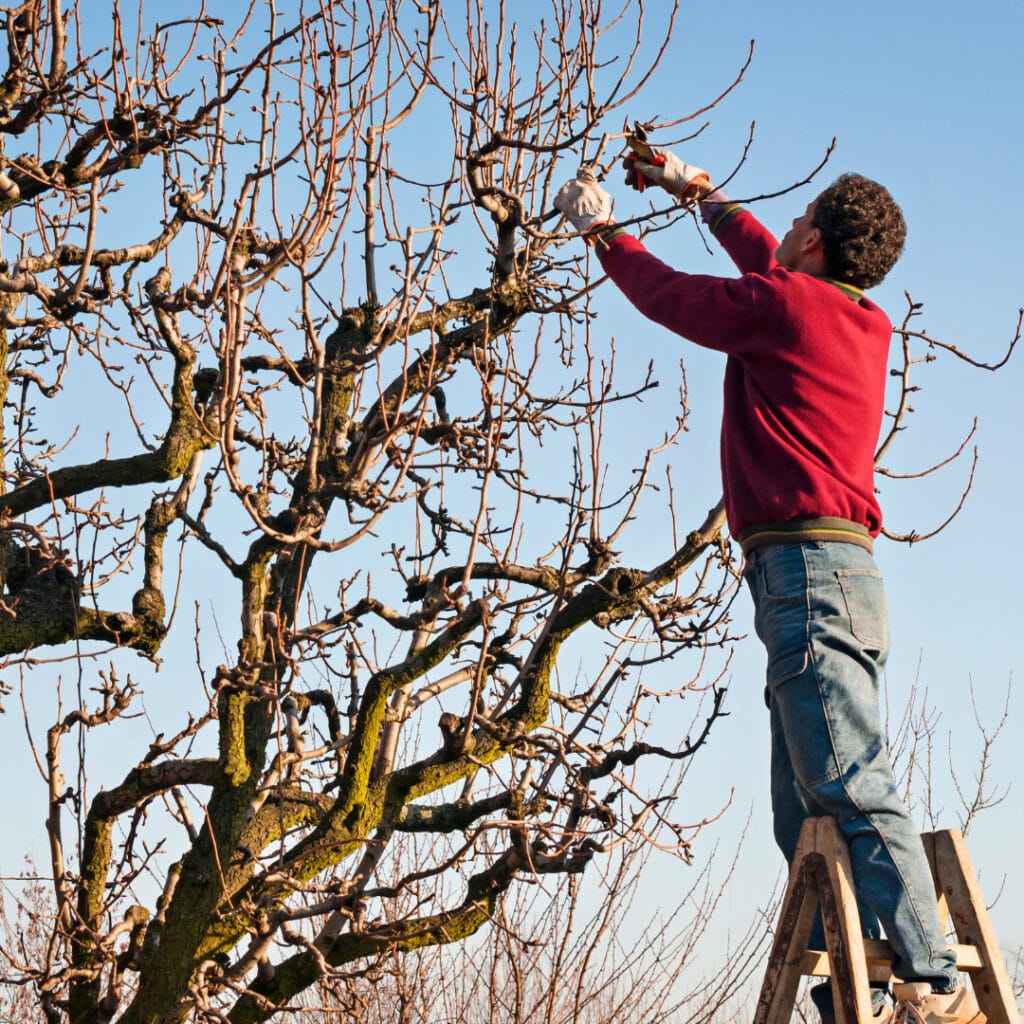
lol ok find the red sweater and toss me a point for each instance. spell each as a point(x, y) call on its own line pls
point(804, 379)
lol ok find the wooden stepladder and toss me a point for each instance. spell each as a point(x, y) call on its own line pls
point(820, 876)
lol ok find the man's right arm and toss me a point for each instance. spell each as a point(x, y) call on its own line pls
point(725, 314)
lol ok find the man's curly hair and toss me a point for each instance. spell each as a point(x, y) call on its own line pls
point(862, 230)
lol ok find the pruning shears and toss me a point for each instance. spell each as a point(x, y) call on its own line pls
point(641, 149)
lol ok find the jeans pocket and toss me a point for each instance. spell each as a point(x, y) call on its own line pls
point(783, 572)
point(786, 666)
point(864, 594)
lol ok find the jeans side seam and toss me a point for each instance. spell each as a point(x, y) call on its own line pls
point(839, 768)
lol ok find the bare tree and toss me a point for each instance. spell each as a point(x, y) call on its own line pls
point(230, 278)
point(303, 406)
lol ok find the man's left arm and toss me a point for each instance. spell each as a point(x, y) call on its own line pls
point(750, 245)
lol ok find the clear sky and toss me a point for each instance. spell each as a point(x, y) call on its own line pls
point(925, 97)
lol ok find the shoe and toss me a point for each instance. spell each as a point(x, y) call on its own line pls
point(821, 996)
point(916, 1003)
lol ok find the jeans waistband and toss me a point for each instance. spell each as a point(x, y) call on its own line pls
point(801, 531)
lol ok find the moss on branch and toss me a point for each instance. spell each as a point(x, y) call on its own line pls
point(186, 436)
point(300, 971)
point(24, 633)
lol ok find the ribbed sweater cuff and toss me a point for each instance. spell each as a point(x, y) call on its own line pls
point(717, 209)
point(602, 238)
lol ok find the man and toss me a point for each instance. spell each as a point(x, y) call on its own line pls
point(804, 391)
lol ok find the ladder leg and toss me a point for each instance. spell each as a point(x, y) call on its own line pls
point(955, 876)
point(796, 918)
point(843, 938)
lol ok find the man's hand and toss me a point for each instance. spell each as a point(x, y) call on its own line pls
point(583, 202)
point(674, 176)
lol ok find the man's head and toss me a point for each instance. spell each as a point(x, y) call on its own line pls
point(862, 230)
point(853, 232)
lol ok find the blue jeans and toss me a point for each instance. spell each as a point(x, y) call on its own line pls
point(821, 613)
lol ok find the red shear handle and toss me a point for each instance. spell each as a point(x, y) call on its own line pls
point(633, 176)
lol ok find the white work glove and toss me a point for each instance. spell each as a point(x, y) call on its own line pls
point(583, 202)
point(668, 171)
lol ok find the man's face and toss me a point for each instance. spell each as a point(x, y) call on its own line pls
point(792, 246)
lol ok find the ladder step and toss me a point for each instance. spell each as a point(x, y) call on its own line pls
point(879, 957)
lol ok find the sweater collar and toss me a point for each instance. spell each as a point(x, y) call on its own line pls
point(849, 290)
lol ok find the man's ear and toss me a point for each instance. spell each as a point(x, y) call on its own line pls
point(812, 241)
